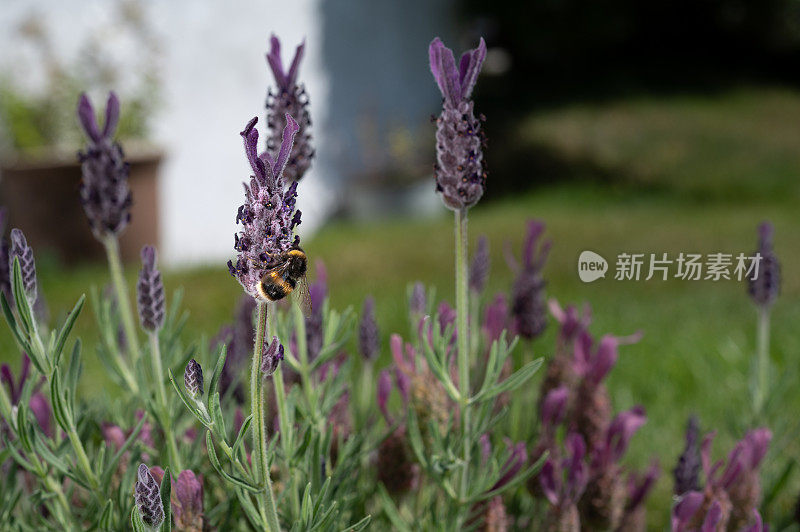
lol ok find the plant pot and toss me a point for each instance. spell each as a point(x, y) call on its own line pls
point(41, 195)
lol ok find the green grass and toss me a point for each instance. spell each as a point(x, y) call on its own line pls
point(737, 144)
point(698, 344)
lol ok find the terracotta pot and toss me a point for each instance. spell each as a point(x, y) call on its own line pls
point(41, 195)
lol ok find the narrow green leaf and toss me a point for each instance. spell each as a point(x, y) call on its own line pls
point(17, 456)
point(63, 334)
point(223, 354)
point(361, 525)
point(513, 382)
point(242, 431)
point(22, 343)
point(391, 510)
point(212, 455)
point(20, 300)
point(216, 413)
point(106, 521)
point(250, 510)
point(136, 521)
point(166, 491)
point(305, 507)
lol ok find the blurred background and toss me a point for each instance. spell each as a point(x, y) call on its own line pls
point(660, 126)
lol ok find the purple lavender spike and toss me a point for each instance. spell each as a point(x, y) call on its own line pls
point(150, 292)
point(272, 356)
point(104, 191)
point(460, 176)
point(148, 498)
point(193, 379)
point(368, 334)
point(479, 268)
point(24, 253)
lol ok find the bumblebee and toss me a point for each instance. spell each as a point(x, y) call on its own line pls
point(287, 276)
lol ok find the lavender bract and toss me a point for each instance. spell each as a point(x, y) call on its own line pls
point(290, 99)
point(188, 504)
point(147, 495)
point(150, 292)
point(104, 191)
point(687, 470)
point(479, 267)
point(193, 379)
point(24, 253)
point(528, 308)
point(272, 356)
point(460, 176)
point(765, 287)
point(368, 334)
point(268, 215)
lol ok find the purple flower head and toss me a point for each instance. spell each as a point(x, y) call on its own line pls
point(479, 268)
point(113, 435)
point(193, 379)
point(687, 470)
point(765, 287)
point(683, 512)
point(24, 253)
point(571, 321)
point(640, 488)
point(272, 356)
point(617, 437)
point(150, 292)
point(564, 482)
point(290, 99)
point(188, 501)
point(104, 191)
point(147, 495)
point(460, 177)
point(495, 319)
point(417, 302)
point(554, 407)
point(369, 342)
point(528, 308)
point(268, 215)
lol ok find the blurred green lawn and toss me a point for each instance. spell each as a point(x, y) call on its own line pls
point(698, 343)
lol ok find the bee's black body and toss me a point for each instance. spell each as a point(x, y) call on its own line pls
point(282, 279)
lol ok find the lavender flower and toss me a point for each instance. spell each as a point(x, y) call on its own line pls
point(318, 293)
point(188, 504)
point(460, 176)
point(272, 356)
point(268, 214)
point(148, 498)
point(193, 379)
point(150, 292)
point(687, 470)
point(495, 319)
point(369, 342)
point(528, 308)
point(40, 406)
point(22, 251)
point(104, 191)
point(765, 287)
point(479, 268)
point(417, 302)
point(15, 385)
point(289, 100)
point(635, 517)
point(395, 463)
point(384, 389)
point(563, 483)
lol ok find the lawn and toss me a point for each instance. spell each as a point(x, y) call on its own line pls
point(697, 349)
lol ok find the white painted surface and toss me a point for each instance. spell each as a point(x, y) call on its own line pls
point(215, 79)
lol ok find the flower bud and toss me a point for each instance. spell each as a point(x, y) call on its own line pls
point(22, 251)
point(368, 334)
point(479, 268)
point(193, 379)
point(272, 356)
point(150, 292)
point(147, 495)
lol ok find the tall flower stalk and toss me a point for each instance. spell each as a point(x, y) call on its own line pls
point(106, 199)
point(460, 182)
point(763, 289)
point(269, 218)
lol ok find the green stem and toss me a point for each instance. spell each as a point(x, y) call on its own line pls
point(83, 460)
point(763, 357)
point(266, 505)
point(123, 303)
point(462, 314)
point(161, 394)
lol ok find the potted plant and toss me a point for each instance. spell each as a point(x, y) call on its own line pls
point(40, 136)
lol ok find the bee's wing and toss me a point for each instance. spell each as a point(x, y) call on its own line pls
point(302, 296)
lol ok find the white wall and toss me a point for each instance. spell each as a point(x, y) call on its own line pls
point(215, 79)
